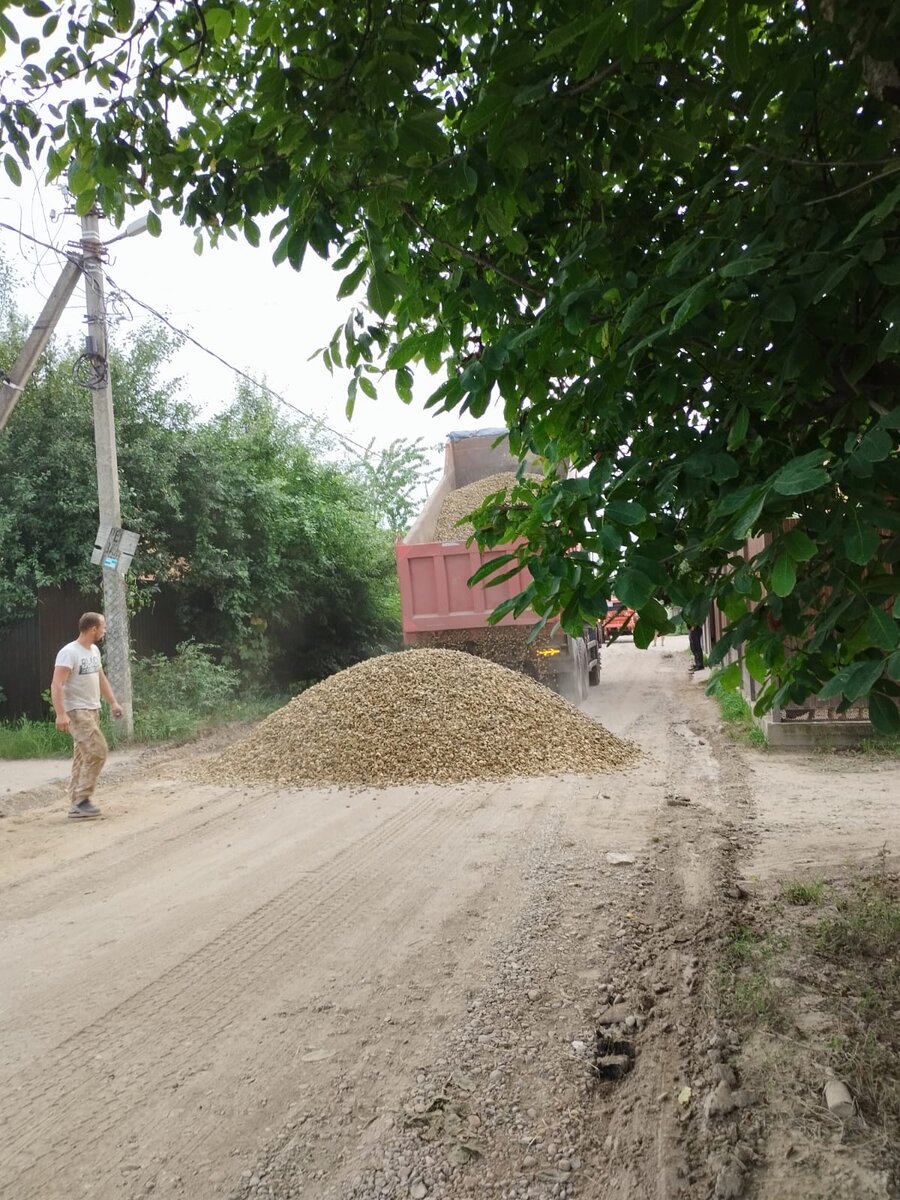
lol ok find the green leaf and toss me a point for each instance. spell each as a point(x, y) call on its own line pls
point(737, 44)
point(12, 169)
point(352, 280)
point(708, 16)
point(835, 686)
point(884, 713)
point(80, 179)
point(888, 272)
point(799, 545)
point(876, 214)
point(756, 664)
point(643, 633)
point(882, 630)
point(634, 588)
point(491, 566)
point(893, 665)
point(123, 14)
point(154, 225)
point(738, 431)
point(729, 678)
point(746, 519)
point(784, 576)
point(860, 541)
point(875, 446)
point(782, 307)
point(801, 475)
point(676, 143)
point(367, 387)
point(218, 22)
point(625, 512)
point(747, 264)
point(558, 39)
point(403, 384)
point(863, 677)
point(381, 292)
point(644, 11)
point(85, 202)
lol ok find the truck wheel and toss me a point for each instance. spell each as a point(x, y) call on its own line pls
point(594, 675)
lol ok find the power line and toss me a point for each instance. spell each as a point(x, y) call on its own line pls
point(347, 441)
point(122, 292)
point(37, 241)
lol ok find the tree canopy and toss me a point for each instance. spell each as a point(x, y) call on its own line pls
point(396, 480)
point(665, 234)
point(271, 551)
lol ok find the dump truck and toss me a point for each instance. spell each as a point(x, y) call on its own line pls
point(441, 611)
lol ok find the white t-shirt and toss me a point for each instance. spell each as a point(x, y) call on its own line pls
point(82, 688)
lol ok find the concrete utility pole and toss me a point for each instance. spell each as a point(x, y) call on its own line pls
point(115, 605)
point(21, 371)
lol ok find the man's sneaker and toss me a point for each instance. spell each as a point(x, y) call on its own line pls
point(83, 811)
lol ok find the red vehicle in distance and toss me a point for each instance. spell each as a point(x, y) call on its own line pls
point(619, 620)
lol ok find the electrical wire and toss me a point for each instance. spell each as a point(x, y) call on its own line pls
point(37, 241)
point(343, 438)
point(121, 295)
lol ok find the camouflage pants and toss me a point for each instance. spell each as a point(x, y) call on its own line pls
point(90, 752)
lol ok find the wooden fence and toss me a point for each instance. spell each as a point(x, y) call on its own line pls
point(28, 647)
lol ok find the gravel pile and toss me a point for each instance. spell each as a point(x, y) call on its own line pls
point(420, 716)
point(465, 500)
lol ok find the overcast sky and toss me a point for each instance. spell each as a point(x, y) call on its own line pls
point(266, 320)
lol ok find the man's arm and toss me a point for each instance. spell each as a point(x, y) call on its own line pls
point(107, 693)
point(60, 675)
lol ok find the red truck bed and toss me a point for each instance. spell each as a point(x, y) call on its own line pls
point(434, 593)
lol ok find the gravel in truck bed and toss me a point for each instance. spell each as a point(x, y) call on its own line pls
point(465, 500)
point(420, 716)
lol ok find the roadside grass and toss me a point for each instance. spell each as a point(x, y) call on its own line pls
point(811, 892)
point(880, 747)
point(746, 971)
point(33, 739)
point(837, 945)
point(737, 715)
point(860, 940)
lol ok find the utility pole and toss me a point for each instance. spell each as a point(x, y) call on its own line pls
point(115, 603)
point(21, 370)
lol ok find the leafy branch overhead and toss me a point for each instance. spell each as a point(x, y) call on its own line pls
point(665, 235)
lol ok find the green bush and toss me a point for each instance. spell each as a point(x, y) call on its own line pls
point(190, 682)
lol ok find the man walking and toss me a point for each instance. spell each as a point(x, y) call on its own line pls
point(78, 683)
point(695, 639)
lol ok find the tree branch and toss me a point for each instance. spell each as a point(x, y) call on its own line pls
point(478, 259)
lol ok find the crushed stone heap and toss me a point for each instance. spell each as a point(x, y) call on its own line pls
point(420, 716)
point(465, 500)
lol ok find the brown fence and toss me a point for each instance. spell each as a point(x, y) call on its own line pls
point(28, 647)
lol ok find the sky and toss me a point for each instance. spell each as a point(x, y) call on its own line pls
point(268, 321)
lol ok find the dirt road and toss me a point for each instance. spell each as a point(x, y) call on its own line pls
point(218, 992)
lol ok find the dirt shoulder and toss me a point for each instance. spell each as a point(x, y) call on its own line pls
point(505, 990)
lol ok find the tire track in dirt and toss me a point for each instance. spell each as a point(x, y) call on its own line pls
point(706, 790)
point(197, 1000)
point(36, 890)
